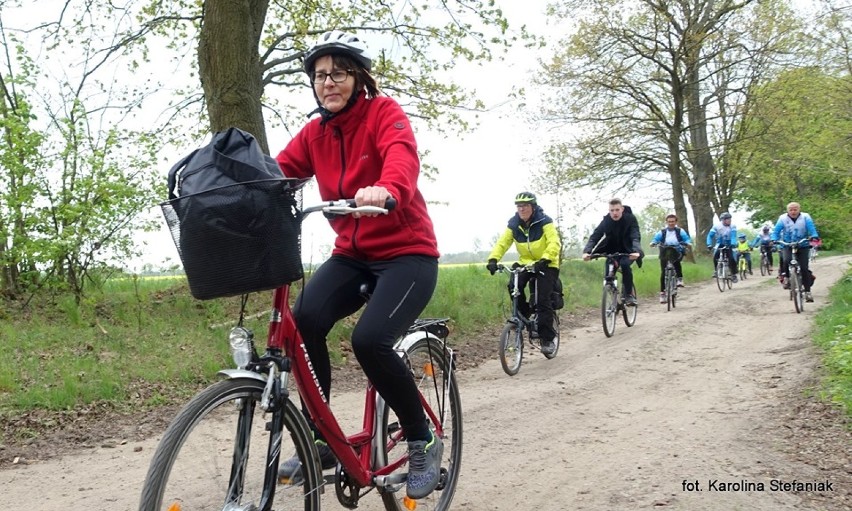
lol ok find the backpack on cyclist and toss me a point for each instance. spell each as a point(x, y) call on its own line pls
point(556, 297)
point(232, 215)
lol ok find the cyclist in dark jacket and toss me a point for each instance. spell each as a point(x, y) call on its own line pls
point(618, 232)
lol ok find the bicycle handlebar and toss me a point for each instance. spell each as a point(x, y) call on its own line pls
point(798, 243)
point(612, 254)
point(347, 207)
point(518, 268)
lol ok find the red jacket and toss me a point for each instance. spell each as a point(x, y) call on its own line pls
point(371, 144)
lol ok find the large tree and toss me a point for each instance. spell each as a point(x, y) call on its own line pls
point(652, 88)
point(797, 143)
point(244, 47)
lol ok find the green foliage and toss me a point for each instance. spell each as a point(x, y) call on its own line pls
point(834, 336)
point(797, 147)
point(73, 179)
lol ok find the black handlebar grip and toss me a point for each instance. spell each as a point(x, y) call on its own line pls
point(390, 203)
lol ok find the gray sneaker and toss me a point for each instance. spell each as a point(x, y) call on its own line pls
point(290, 471)
point(808, 296)
point(734, 279)
point(424, 467)
point(548, 347)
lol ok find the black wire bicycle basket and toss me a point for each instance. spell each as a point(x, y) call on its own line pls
point(239, 238)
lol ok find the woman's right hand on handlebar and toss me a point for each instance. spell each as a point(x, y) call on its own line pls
point(371, 196)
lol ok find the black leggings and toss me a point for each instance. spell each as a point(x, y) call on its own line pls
point(403, 288)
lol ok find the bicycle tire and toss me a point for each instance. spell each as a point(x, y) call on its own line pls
point(511, 348)
point(195, 465)
point(435, 376)
point(743, 268)
point(550, 356)
point(629, 313)
point(720, 276)
point(796, 291)
point(764, 265)
point(609, 309)
point(671, 289)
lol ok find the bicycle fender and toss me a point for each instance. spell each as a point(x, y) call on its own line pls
point(233, 374)
point(406, 342)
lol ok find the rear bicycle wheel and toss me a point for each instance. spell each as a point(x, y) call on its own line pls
point(796, 290)
point(511, 348)
point(629, 312)
point(214, 455)
point(609, 309)
point(434, 373)
point(721, 270)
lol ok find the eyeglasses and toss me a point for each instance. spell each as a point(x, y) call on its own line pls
point(337, 76)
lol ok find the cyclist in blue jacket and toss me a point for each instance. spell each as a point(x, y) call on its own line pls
point(793, 226)
point(671, 236)
point(723, 236)
point(764, 240)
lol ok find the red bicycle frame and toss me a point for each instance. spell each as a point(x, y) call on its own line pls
point(353, 451)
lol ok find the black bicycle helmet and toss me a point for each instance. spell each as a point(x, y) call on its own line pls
point(337, 41)
point(724, 216)
point(525, 198)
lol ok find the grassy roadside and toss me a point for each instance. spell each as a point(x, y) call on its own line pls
point(834, 335)
point(141, 343)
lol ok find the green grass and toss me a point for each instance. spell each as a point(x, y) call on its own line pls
point(834, 335)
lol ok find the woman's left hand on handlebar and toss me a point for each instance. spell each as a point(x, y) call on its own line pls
point(371, 196)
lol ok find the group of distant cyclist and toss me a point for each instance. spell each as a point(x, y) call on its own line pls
point(794, 227)
point(536, 239)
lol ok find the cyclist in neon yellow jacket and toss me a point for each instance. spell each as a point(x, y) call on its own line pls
point(537, 241)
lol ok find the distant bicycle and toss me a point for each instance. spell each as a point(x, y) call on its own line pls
point(669, 253)
point(794, 274)
point(815, 245)
point(611, 302)
point(765, 269)
point(742, 264)
point(512, 336)
point(724, 279)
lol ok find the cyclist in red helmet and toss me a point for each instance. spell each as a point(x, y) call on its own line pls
point(362, 146)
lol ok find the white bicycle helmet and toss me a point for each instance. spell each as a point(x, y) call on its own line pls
point(337, 41)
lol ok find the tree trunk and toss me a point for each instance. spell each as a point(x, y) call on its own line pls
point(229, 65)
point(699, 153)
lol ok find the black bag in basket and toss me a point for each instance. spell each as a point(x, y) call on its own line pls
point(236, 227)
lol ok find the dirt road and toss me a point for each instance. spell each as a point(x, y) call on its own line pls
point(665, 415)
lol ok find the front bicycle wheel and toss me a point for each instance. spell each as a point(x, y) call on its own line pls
point(796, 290)
point(214, 455)
point(609, 309)
point(721, 271)
point(434, 374)
point(764, 266)
point(671, 289)
point(629, 312)
point(511, 348)
point(743, 269)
